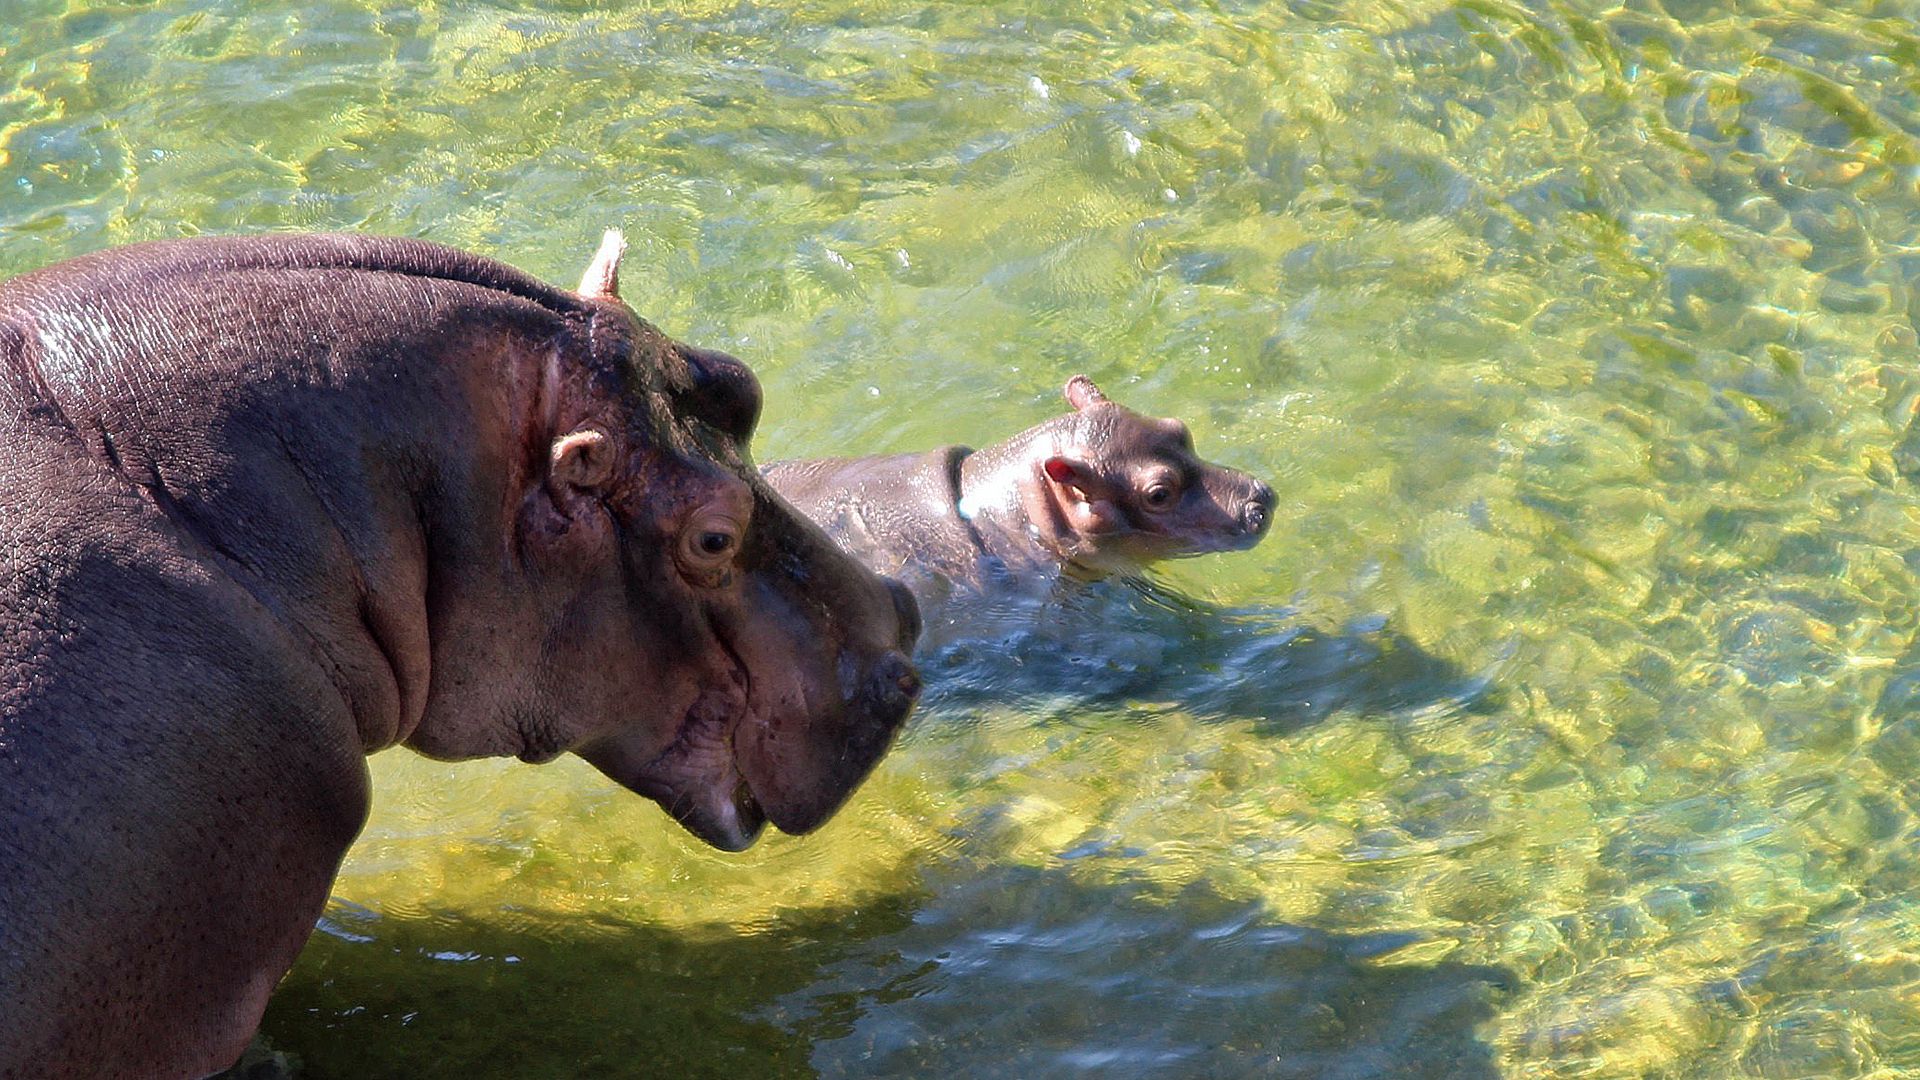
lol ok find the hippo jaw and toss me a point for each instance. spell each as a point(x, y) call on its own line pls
point(801, 768)
point(751, 751)
point(695, 778)
point(775, 717)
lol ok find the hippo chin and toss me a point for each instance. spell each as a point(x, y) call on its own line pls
point(1097, 492)
point(270, 504)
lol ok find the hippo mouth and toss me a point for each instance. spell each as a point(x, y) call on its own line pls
point(1133, 552)
point(1215, 544)
point(702, 786)
point(1149, 545)
point(732, 823)
point(749, 752)
point(695, 779)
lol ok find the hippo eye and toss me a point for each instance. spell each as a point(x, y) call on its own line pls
point(708, 547)
point(1160, 495)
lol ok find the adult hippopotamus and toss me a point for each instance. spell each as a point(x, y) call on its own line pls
point(1099, 491)
point(270, 504)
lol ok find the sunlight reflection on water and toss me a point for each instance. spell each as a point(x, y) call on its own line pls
point(1562, 726)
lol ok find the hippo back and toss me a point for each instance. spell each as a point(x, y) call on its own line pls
point(898, 513)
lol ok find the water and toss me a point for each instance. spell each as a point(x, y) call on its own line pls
point(1564, 726)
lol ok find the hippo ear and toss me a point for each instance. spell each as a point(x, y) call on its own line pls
point(1082, 394)
point(602, 279)
point(581, 459)
point(1089, 511)
point(1067, 472)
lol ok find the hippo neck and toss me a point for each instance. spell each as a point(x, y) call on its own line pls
point(1003, 495)
point(439, 561)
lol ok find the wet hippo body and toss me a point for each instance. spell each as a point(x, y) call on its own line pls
point(1099, 491)
point(898, 510)
point(270, 504)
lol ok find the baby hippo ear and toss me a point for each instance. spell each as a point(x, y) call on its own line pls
point(602, 279)
point(1082, 496)
point(1068, 473)
point(581, 459)
point(1082, 394)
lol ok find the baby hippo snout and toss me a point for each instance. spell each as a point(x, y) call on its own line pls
point(1257, 513)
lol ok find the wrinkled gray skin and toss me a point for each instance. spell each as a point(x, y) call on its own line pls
point(1099, 491)
point(270, 504)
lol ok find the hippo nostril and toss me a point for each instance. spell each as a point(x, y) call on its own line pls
point(1257, 514)
point(908, 611)
point(894, 678)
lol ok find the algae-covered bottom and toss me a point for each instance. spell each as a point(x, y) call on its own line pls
point(1564, 725)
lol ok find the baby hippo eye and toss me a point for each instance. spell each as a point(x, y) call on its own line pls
point(715, 542)
point(1160, 495)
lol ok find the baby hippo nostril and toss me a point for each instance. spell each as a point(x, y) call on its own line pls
point(1258, 513)
point(908, 610)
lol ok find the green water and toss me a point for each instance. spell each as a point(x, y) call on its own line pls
point(1566, 725)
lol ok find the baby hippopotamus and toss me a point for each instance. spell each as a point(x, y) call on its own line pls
point(1099, 491)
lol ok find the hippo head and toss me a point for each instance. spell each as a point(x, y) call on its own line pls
point(1122, 490)
point(706, 645)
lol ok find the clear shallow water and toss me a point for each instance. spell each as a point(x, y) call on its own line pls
point(1564, 726)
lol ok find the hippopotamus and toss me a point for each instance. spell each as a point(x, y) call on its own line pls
point(271, 504)
point(1097, 492)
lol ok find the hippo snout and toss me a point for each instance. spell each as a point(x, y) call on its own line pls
point(1257, 513)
